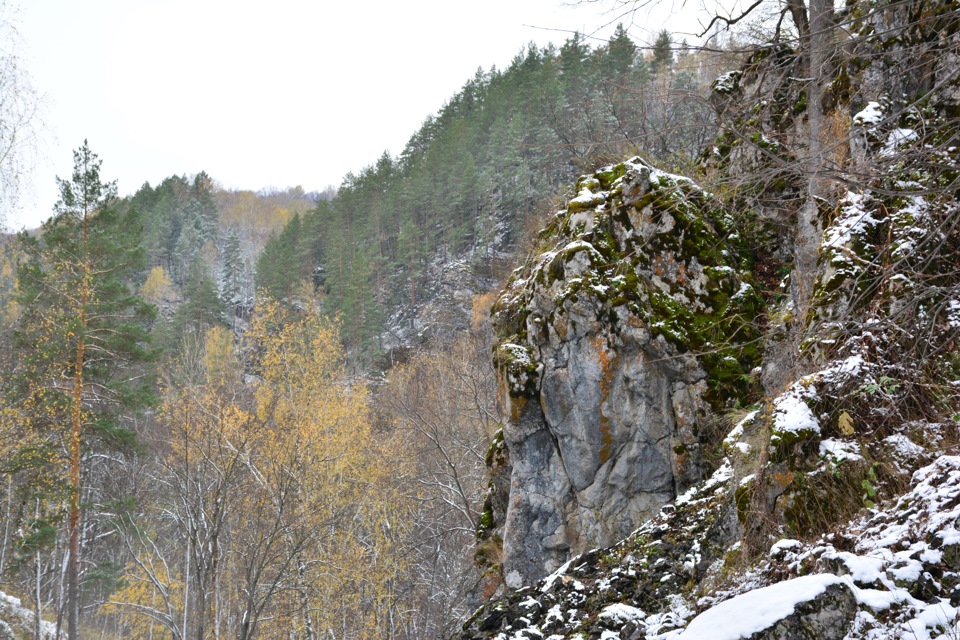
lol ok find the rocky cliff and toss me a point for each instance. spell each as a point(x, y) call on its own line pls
point(618, 335)
point(684, 430)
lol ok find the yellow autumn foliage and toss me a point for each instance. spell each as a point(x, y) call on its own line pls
point(157, 288)
point(286, 493)
point(320, 426)
point(220, 363)
point(151, 588)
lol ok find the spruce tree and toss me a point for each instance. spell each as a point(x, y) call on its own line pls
point(234, 274)
point(662, 52)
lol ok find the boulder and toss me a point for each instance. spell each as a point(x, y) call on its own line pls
point(815, 607)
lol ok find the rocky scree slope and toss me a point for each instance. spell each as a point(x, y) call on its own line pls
point(830, 508)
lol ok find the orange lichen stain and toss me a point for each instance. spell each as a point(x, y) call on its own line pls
point(666, 265)
point(608, 369)
point(503, 392)
point(491, 582)
point(681, 460)
point(560, 326)
point(517, 404)
point(782, 478)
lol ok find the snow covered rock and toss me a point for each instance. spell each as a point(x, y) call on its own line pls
point(17, 621)
point(815, 607)
point(629, 590)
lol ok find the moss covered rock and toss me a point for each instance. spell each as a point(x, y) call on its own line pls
point(626, 328)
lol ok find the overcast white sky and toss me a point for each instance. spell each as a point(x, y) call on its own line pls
point(259, 94)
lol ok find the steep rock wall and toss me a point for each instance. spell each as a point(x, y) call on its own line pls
point(618, 337)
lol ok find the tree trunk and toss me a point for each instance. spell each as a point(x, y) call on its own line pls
point(186, 585)
point(6, 525)
point(38, 612)
point(73, 565)
point(809, 231)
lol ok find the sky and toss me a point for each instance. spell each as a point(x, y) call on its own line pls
point(263, 95)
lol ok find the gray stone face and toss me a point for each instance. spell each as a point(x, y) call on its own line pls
point(540, 494)
point(594, 457)
point(604, 410)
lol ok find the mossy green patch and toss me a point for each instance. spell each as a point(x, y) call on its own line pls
point(660, 249)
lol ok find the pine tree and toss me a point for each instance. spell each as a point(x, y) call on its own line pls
point(285, 261)
point(618, 55)
point(202, 307)
point(82, 324)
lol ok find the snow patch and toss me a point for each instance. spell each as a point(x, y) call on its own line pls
point(622, 613)
point(793, 415)
point(852, 220)
point(871, 115)
point(840, 450)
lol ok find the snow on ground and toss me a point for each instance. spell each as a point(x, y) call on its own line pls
point(905, 560)
point(904, 571)
point(902, 564)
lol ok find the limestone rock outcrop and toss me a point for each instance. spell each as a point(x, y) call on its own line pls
point(615, 339)
point(632, 326)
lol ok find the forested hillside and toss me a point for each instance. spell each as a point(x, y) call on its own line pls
point(180, 468)
point(623, 342)
point(189, 444)
point(475, 177)
point(198, 237)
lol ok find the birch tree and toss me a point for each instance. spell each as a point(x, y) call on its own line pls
point(20, 106)
point(279, 511)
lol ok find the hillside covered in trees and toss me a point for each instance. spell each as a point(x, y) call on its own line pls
point(474, 180)
point(189, 450)
point(625, 343)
